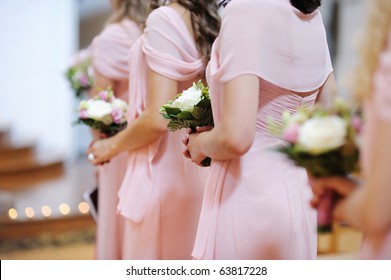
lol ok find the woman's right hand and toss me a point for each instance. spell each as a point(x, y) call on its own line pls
point(343, 186)
point(101, 151)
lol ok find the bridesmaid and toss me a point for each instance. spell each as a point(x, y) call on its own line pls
point(368, 207)
point(255, 204)
point(161, 194)
point(109, 50)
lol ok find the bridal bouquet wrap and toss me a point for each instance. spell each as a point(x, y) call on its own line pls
point(104, 112)
point(325, 141)
point(190, 109)
point(80, 73)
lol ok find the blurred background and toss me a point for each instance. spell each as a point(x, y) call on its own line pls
point(43, 168)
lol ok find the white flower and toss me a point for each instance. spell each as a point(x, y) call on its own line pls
point(188, 99)
point(119, 104)
point(100, 111)
point(321, 134)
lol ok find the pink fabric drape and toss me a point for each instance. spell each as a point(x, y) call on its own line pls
point(110, 50)
point(162, 191)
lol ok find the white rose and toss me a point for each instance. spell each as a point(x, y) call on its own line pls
point(188, 99)
point(119, 104)
point(99, 111)
point(322, 134)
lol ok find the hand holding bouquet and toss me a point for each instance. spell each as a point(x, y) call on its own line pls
point(325, 141)
point(190, 109)
point(104, 113)
point(80, 73)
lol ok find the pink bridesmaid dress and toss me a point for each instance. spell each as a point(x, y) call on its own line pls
point(378, 108)
point(110, 51)
point(257, 206)
point(161, 194)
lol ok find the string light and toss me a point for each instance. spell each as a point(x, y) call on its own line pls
point(84, 208)
point(64, 209)
point(30, 213)
point(46, 211)
point(13, 214)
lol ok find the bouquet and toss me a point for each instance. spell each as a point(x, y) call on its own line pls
point(325, 141)
point(80, 73)
point(104, 113)
point(190, 109)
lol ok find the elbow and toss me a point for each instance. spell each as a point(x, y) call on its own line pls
point(238, 145)
point(156, 124)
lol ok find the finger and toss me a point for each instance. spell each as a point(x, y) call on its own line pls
point(341, 185)
point(185, 140)
point(189, 131)
point(92, 143)
point(314, 202)
point(186, 153)
point(203, 128)
point(318, 189)
point(197, 162)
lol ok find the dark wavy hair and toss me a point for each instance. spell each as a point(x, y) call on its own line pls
point(204, 19)
point(306, 6)
point(135, 10)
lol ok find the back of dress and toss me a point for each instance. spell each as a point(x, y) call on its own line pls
point(256, 206)
point(110, 50)
point(285, 48)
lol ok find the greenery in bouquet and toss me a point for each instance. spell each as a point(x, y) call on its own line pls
point(104, 112)
point(190, 109)
point(80, 73)
point(325, 141)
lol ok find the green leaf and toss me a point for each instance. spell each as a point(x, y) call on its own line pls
point(172, 111)
point(185, 115)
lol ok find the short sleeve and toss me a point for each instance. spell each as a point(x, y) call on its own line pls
point(168, 46)
point(271, 40)
point(111, 47)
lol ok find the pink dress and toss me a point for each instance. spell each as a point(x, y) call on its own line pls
point(161, 193)
point(110, 50)
point(257, 206)
point(379, 108)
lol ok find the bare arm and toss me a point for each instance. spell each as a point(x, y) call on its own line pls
point(328, 92)
point(234, 135)
point(369, 207)
point(147, 128)
point(100, 83)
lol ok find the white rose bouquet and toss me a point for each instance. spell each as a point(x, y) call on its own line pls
point(325, 141)
point(80, 73)
point(190, 109)
point(103, 112)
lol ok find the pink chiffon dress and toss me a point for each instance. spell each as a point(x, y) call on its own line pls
point(257, 206)
point(161, 194)
point(377, 108)
point(110, 53)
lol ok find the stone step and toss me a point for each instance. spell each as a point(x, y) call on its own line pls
point(16, 173)
point(13, 231)
point(21, 150)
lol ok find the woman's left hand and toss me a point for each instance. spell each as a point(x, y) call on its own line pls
point(194, 148)
point(188, 147)
point(101, 151)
